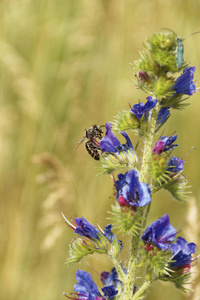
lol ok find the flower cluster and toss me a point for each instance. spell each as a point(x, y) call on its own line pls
point(166, 169)
point(142, 111)
point(160, 236)
point(86, 288)
point(164, 144)
point(156, 249)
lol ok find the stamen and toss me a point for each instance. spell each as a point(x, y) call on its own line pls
point(67, 222)
point(193, 148)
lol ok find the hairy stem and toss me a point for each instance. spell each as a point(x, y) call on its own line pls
point(148, 145)
point(142, 290)
point(118, 267)
point(130, 280)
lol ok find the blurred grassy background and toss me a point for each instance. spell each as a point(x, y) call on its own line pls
point(65, 66)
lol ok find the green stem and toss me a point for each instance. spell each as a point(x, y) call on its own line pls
point(120, 272)
point(141, 291)
point(129, 285)
point(148, 145)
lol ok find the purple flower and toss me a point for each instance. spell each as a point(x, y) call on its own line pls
point(131, 192)
point(162, 115)
point(182, 254)
point(160, 233)
point(109, 291)
point(168, 142)
point(82, 227)
point(159, 147)
point(139, 110)
point(165, 144)
point(108, 233)
point(110, 143)
point(109, 278)
point(184, 83)
point(175, 164)
point(110, 236)
point(86, 289)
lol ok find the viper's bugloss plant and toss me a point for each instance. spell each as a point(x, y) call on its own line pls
point(155, 249)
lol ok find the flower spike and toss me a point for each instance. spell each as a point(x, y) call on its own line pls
point(155, 251)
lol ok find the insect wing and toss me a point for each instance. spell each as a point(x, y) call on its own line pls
point(80, 142)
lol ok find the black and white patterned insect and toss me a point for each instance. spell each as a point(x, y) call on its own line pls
point(93, 135)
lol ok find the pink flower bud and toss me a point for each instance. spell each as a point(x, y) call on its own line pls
point(122, 202)
point(143, 77)
point(159, 147)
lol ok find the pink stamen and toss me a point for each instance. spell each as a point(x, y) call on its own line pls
point(68, 223)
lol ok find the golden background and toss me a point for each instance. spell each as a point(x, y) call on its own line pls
point(65, 65)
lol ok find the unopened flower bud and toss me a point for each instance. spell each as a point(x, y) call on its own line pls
point(143, 77)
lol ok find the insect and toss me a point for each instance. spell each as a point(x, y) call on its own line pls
point(180, 48)
point(92, 144)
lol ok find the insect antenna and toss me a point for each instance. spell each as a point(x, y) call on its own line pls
point(191, 34)
point(92, 268)
point(165, 28)
point(193, 148)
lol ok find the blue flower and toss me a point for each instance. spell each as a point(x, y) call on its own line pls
point(82, 227)
point(86, 289)
point(109, 278)
point(160, 233)
point(110, 236)
point(184, 83)
point(164, 144)
point(162, 115)
point(175, 164)
point(182, 254)
point(86, 229)
point(131, 192)
point(108, 233)
point(110, 143)
point(168, 142)
point(109, 291)
point(139, 110)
